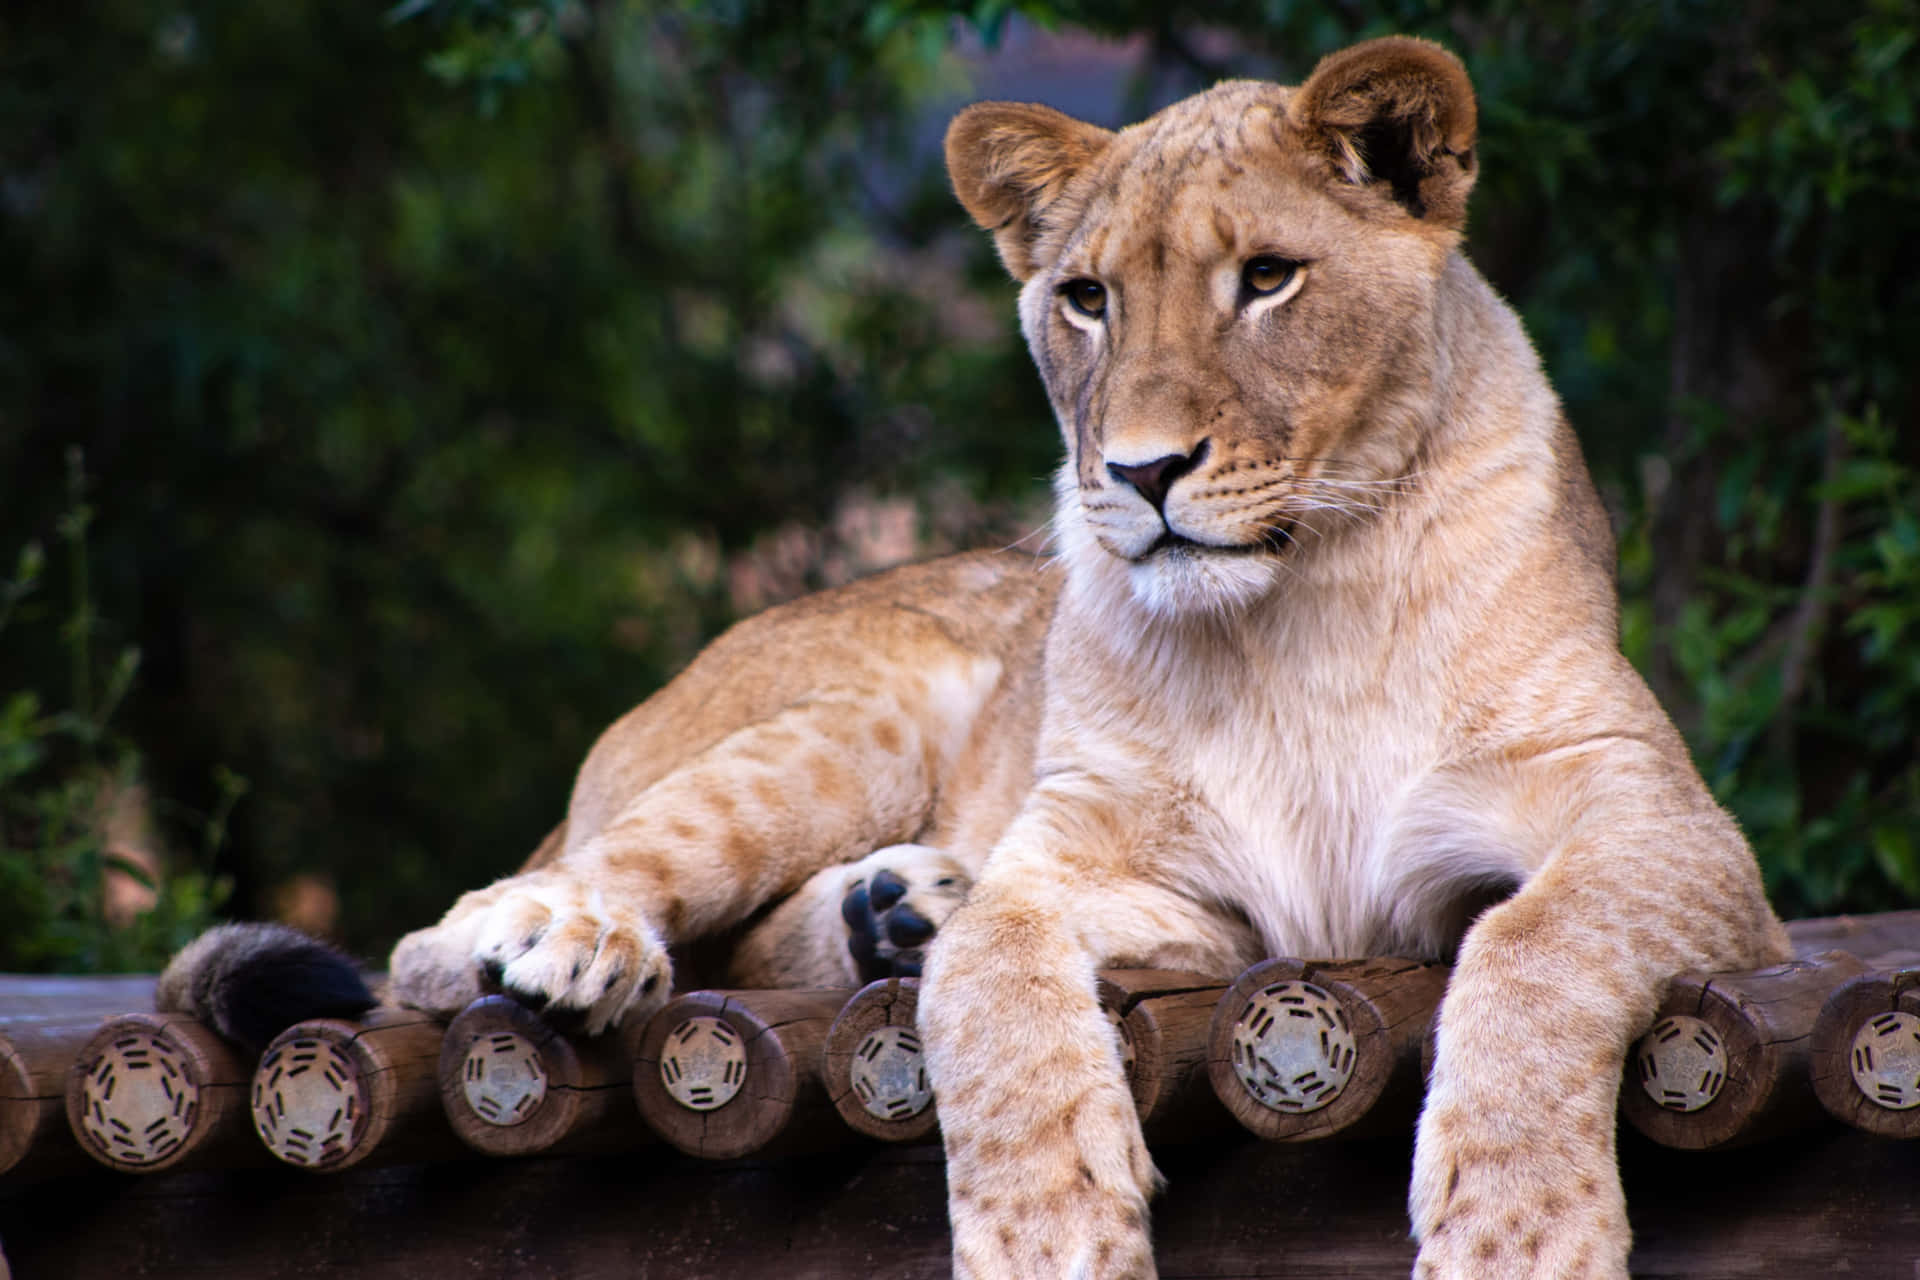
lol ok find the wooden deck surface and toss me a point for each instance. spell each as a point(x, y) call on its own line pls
point(1825, 1201)
point(1828, 1203)
point(28, 996)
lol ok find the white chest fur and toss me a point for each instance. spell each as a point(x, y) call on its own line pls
point(1312, 744)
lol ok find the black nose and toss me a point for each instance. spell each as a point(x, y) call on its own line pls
point(1153, 479)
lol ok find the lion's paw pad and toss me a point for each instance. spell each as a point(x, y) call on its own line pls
point(896, 901)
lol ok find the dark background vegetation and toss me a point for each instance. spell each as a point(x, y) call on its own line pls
point(388, 400)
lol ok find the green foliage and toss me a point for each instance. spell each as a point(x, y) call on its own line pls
point(443, 368)
point(1794, 677)
point(63, 775)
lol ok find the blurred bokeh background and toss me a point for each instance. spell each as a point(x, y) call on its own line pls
point(391, 397)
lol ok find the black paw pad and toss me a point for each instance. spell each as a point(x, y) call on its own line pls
point(857, 909)
point(886, 935)
point(907, 927)
point(885, 890)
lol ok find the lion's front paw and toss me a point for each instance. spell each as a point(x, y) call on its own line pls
point(897, 898)
point(547, 941)
point(1079, 1231)
point(1487, 1207)
point(1047, 1170)
point(1054, 1185)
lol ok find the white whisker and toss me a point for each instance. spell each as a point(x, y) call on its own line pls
point(1043, 531)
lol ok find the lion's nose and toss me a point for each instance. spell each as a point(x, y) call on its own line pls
point(1153, 479)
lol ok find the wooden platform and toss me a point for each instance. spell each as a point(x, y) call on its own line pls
point(1823, 1200)
point(1833, 1203)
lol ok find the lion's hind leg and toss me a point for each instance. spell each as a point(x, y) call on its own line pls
point(816, 785)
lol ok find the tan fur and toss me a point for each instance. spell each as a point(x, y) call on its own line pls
point(1358, 676)
point(797, 753)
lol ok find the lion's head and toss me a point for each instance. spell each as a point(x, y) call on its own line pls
point(1233, 307)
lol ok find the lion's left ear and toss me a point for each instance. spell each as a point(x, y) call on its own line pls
point(1011, 165)
point(1397, 111)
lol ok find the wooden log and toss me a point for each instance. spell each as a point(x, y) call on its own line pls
point(512, 1086)
point(154, 1091)
point(62, 996)
point(1304, 1050)
point(1865, 1054)
point(875, 1070)
point(329, 1092)
point(722, 1074)
point(35, 1055)
point(1869, 937)
point(1727, 1059)
point(1164, 1018)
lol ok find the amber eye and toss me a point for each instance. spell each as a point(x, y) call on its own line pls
point(1089, 297)
point(1267, 274)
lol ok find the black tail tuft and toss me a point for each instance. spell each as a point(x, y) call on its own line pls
point(252, 981)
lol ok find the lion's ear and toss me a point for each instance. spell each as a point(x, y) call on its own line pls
point(1398, 111)
point(1010, 163)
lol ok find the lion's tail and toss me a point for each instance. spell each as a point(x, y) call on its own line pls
point(252, 981)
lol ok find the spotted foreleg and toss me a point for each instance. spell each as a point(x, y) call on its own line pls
point(1047, 1171)
point(1514, 1171)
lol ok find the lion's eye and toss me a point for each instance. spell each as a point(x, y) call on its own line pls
point(1267, 274)
point(1088, 297)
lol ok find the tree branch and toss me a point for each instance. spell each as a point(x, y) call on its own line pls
point(1808, 620)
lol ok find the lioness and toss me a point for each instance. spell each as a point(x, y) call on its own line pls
point(1327, 661)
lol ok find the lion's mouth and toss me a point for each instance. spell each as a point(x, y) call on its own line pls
point(1272, 540)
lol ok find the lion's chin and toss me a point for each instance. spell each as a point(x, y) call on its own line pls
point(1186, 580)
point(1167, 577)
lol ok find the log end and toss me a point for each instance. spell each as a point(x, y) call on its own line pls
point(509, 1083)
point(147, 1090)
point(876, 1070)
point(1865, 1059)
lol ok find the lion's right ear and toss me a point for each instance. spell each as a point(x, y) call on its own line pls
point(1011, 163)
point(1395, 113)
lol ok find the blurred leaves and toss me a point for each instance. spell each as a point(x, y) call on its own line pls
point(399, 387)
point(83, 885)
